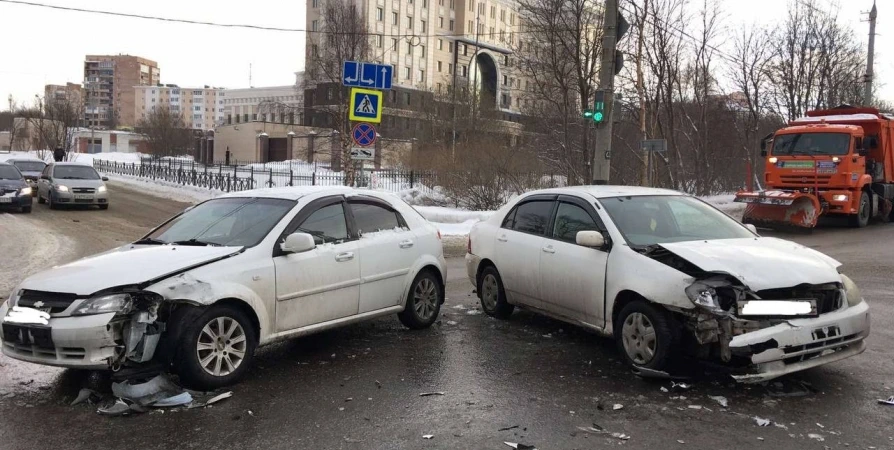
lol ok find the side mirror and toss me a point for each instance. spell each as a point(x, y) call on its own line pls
point(589, 238)
point(298, 243)
point(751, 228)
point(105, 178)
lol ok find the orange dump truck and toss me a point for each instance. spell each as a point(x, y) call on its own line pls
point(834, 162)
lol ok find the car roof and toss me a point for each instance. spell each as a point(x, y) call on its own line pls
point(71, 163)
point(26, 158)
point(606, 191)
point(296, 192)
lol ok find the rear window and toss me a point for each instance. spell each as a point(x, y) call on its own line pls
point(533, 217)
point(30, 166)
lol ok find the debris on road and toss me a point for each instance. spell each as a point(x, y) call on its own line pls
point(200, 404)
point(617, 406)
point(889, 401)
point(518, 446)
point(793, 388)
point(695, 407)
point(428, 436)
point(86, 395)
point(148, 393)
point(473, 312)
point(119, 408)
point(664, 389)
point(429, 394)
point(721, 400)
point(177, 400)
point(761, 422)
point(817, 437)
point(508, 428)
point(680, 386)
point(659, 374)
point(596, 429)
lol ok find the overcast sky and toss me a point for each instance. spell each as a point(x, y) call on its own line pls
point(45, 46)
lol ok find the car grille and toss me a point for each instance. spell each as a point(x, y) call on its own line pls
point(83, 190)
point(828, 297)
point(56, 301)
point(805, 179)
point(83, 200)
point(7, 190)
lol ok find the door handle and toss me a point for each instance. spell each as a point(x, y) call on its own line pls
point(346, 256)
point(406, 244)
point(549, 249)
point(502, 238)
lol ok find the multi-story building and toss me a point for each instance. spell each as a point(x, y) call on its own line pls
point(200, 108)
point(71, 93)
point(109, 82)
point(432, 45)
point(280, 104)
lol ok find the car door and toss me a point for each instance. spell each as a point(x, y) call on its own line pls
point(518, 246)
point(572, 277)
point(387, 252)
point(43, 184)
point(322, 284)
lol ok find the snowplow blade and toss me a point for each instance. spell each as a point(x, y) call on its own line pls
point(780, 209)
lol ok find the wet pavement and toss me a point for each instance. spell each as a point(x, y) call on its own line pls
point(529, 380)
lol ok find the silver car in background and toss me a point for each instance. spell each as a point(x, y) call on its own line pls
point(69, 183)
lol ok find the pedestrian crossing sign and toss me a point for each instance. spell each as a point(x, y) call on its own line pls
point(366, 105)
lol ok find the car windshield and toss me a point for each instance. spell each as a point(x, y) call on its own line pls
point(650, 220)
point(226, 221)
point(75, 173)
point(8, 172)
point(811, 144)
point(30, 166)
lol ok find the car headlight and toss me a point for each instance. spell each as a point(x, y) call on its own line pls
point(25, 191)
point(705, 296)
point(61, 188)
point(100, 189)
point(117, 303)
point(854, 297)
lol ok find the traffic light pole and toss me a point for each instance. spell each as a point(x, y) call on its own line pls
point(602, 151)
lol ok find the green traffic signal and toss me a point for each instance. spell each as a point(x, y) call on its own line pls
point(597, 117)
point(588, 114)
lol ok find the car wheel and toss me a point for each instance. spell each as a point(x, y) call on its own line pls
point(40, 199)
point(50, 201)
point(106, 206)
point(861, 219)
point(492, 294)
point(216, 349)
point(423, 302)
point(644, 336)
point(26, 210)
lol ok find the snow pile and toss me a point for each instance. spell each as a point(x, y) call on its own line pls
point(451, 221)
point(166, 189)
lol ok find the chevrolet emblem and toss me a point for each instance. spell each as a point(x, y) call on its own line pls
point(38, 304)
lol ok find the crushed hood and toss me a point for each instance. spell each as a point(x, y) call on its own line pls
point(127, 265)
point(760, 263)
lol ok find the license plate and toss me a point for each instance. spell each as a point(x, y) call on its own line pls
point(777, 308)
point(5, 200)
point(83, 197)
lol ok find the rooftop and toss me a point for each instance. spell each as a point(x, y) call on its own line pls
point(291, 192)
point(605, 191)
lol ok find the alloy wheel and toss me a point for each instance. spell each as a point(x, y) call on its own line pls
point(221, 346)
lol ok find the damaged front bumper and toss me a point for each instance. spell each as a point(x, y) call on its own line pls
point(799, 344)
point(84, 342)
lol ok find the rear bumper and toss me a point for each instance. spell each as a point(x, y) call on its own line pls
point(85, 342)
point(802, 343)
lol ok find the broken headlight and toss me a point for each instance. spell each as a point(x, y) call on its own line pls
point(854, 297)
point(704, 296)
point(117, 303)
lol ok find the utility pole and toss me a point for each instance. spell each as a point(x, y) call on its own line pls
point(867, 81)
point(613, 28)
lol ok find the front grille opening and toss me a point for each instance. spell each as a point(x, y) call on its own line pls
point(829, 297)
point(57, 302)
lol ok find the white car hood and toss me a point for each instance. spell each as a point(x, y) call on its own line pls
point(127, 265)
point(760, 263)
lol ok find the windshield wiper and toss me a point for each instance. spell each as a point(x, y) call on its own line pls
point(195, 242)
point(149, 241)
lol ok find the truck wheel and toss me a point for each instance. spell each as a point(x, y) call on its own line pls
point(645, 336)
point(861, 219)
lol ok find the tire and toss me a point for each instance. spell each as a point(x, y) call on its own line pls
point(40, 199)
point(26, 210)
point(638, 321)
point(202, 333)
point(423, 302)
point(50, 201)
point(861, 219)
point(106, 206)
point(492, 294)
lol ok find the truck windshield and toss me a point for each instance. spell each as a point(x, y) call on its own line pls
point(811, 144)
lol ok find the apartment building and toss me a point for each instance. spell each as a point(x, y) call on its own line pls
point(427, 40)
point(71, 93)
point(109, 82)
point(200, 108)
point(278, 104)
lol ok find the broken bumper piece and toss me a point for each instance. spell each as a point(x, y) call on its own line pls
point(84, 342)
point(800, 344)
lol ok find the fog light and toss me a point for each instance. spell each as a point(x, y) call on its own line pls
point(773, 160)
point(839, 198)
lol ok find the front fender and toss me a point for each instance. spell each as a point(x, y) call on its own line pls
point(190, 289)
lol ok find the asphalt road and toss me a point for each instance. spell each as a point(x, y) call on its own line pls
point(530, 379)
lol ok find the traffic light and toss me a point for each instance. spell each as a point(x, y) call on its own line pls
point(599, 106)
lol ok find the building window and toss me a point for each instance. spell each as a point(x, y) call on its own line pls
point(196, 108)
point(316, 3)
point(451, 22)
point(471, 26)
point(406, 98)
point(493, 12)
point(441, 2)
point(409, 22)
point(439, 66)
point(440, 87)
point(409, 48)
point(465, 71)
point(421, 76)
point(406, 73)
point(505, 80)
point(425, 3)
point(379, 40)
point(504, 100)
point(511, 18)
point(394, 44)
point(440, 44)
point(450, 68)
point(423, 51)
point(380, 14)
point(503, 15)
point(393, 18)
point(481, 9)
point(313, 25)
point(424, 26)
point(450, 47)
point(451, 4)
point(465, 50)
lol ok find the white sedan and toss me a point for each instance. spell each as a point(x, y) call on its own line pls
point(666, 274)
point(202, 291)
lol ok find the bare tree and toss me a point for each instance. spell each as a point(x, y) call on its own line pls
point(343, 36)
point(165, 132)
point(55, 123)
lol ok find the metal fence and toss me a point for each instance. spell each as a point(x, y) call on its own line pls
point(229, 178)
